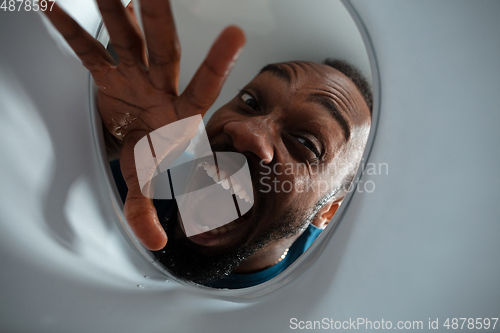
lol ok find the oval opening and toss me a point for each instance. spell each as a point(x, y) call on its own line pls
point(300, 110)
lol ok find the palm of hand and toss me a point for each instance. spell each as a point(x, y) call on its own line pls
point(140, 94)
point(133, 104)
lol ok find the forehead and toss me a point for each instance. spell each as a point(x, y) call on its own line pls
point(323, 85)
point(302, 72)
point(305, 75)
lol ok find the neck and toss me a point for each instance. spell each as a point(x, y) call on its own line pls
point(266, 257)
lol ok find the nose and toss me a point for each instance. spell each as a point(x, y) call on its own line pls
point(253, 135)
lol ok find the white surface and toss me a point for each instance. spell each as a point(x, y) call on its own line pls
point(423, 245)
point(301, 30)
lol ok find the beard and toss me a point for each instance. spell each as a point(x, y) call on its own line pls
point(191, 262)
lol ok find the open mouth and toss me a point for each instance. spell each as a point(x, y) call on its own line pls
point(217, 199)
point(224, 236)
point(228, 183)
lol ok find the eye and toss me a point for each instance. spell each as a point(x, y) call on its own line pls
point(309, 145)
point(249, 100)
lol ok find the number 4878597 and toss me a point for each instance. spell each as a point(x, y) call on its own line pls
point(27, 5)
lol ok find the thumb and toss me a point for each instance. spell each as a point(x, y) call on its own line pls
point(206, 84)
point(139, 210)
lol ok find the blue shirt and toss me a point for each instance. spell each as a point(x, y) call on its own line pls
point(235, 281)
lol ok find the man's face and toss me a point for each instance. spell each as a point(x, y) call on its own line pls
point(302, 127)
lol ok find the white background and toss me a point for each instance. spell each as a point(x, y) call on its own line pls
point(423, 245)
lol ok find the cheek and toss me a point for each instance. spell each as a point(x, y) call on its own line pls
point(301, 184)
point(219, 119)
point(214, 121)
point(289, 191)
point(307, 191)
point(284, 181)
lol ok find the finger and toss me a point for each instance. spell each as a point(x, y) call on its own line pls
point(130, 9)
point(163, 44)
point(123, 31)
point(92, 54)
point(139, 210)
point(206, 84)
point(131, 13)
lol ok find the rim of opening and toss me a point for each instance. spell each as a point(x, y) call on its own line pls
point(308, 257)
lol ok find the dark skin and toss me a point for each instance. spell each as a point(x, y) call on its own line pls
point(139, 96)
point(275, 121)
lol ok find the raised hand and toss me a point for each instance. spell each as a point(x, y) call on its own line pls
point(140, 94)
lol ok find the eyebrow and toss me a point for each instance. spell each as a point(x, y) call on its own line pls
point(278, 71)
point(334, 111)
point(318, 98)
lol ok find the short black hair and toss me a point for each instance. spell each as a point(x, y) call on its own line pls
point(355, 76)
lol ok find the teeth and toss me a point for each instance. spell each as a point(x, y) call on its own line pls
point(212, 171)
point(241, 194)
point(225, 184)
point(222, 176)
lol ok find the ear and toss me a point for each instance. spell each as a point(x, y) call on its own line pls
point(326, 213)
